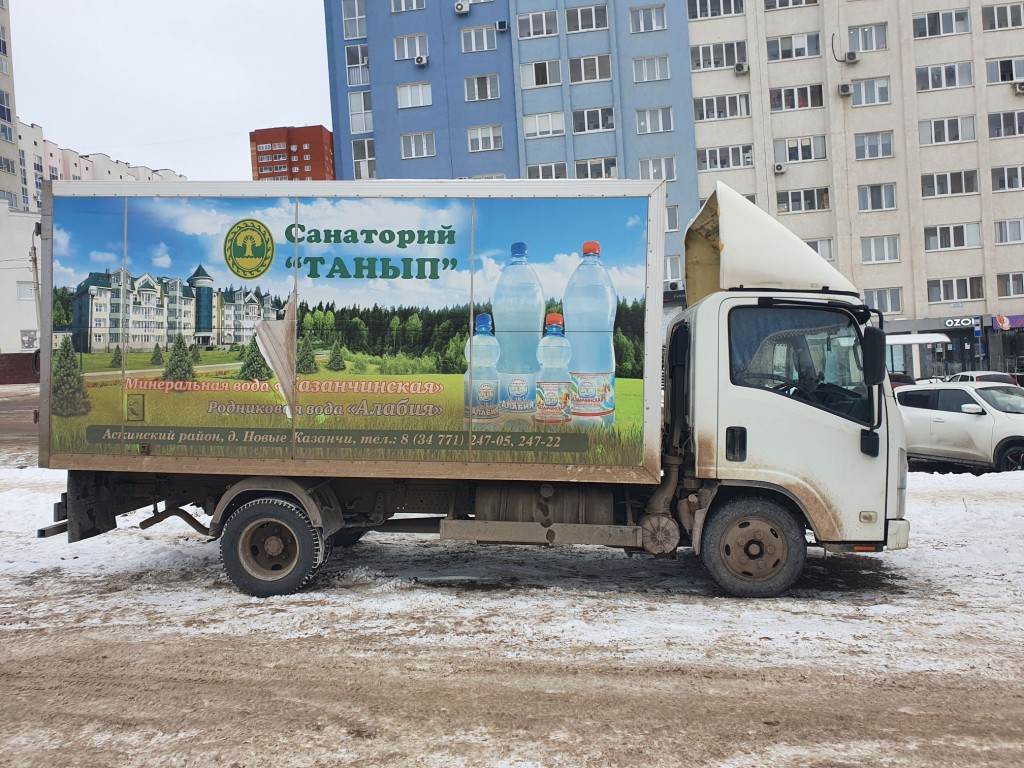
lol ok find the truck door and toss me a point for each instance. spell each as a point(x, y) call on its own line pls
point(793, 384)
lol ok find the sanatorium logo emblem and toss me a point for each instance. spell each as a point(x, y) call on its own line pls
point(249, 249)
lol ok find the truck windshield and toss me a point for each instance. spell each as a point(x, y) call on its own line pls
point(807, 354)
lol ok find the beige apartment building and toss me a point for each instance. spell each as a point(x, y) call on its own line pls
point(888, 134)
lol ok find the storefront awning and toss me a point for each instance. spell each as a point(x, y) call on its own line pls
point(916, 338)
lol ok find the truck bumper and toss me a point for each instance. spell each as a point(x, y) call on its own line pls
point(897, 535)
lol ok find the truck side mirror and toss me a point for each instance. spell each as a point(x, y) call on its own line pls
point(874, 356)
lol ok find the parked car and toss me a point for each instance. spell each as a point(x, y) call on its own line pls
point(979, 424)
point(900, 379)
point(997, 376)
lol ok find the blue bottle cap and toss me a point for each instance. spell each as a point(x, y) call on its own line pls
point(519, 249)
point(483, 323)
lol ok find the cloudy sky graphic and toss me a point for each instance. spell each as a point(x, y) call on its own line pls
point(171, 237)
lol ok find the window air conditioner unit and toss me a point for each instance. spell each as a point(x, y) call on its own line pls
point(420, 61)
point(462, 7)
point(501, 26)
point(780, 168)
point(742, 68)
point(1018, 88)
point(845, 89)
point(852, 57)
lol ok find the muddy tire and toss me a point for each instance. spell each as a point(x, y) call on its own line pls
point(270, 547)
point(753, 547)
point(347, 537)
point(1011, 458)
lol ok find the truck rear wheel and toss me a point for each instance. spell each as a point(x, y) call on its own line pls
point(270, 547)
point(753, 547)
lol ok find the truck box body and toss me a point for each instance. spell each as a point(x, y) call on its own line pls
point(401, 268)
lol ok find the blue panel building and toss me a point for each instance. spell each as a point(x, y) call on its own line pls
point(515, 89)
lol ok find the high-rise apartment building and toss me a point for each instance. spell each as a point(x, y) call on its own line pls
point(305, 153)
point(10, 186)
point(890, 136)
point(538, 89)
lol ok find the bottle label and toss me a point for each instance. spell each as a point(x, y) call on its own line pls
point(553, 402)
point(517, 392)
point(594, 394)
point(483, 400)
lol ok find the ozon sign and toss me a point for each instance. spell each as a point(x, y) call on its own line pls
point(963, 322)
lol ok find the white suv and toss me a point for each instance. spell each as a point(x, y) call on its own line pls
point(977, 424)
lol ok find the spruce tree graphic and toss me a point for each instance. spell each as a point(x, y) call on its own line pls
point(253, 364)
point(305, 360)
point(179, 362)
point(69, 395)
point(336, 361)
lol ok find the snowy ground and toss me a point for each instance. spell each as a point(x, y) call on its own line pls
point(904, 658)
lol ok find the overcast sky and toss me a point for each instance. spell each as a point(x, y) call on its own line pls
point(174, 85)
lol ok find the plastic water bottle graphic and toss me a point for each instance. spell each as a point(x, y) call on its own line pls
point(589, 307)
point(481, 388)
point(518, 305)
point(554, 385)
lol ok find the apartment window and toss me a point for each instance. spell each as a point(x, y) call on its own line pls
point(938, 23)
point(801, 200)
point(876, 197)
point(673, 270)
point(872, 91)
point(588, 69)
point(593, 120)
point(947, 130)
point(308, 168)
point(1004, 70)
point(649, 68)
point(774, 5)
point(873, 37)
point(5, 106)
point(949, 183)
point(794, 47)
point(1003, 124)
point(822, 247)
point(414, 95)
point(710, 9)
point(410, 46)
point(397, 6)
point(884, 299)
point(542, 24)
point(262, 147)
point(1010, 284)
point(948, 237)
point(798, 97)
point(305, 157)
point(658, 168)
point(956, 289)
point(656, 120)
point(721, 107)
point(305, 146)
point(280, 145)
point(723, 158)
point(364, 159)
point(597, 168)
point(539, 74)
point(3, 40)
point(417, 145)
point(868, 146)
point(942, 76)
point(543, 125)
point(800, 149)
point(717, 56)
point(360, 112)
point(476, 39)
point(1009, 231)
point(672, 218)
point(877, 250)
point(484, 138)
point(353, 18)
point(481, 87)
point(546, 171)
point(1007, 178)
point(649, 19)
point(586, 18)
point(1004, 16)
point(357, 67)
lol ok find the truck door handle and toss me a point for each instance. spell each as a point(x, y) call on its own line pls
point(736, 443)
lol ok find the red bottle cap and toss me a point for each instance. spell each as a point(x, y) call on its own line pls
point(554, 318)
point(592, 246)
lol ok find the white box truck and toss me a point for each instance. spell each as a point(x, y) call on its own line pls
point(286, 367)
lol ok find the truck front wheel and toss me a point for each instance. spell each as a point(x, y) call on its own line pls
point(270, 547)
point(753, 547)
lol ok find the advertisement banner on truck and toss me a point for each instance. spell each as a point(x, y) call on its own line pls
point(498, 329)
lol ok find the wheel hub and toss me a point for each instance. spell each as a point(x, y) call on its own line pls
point(268, 550)
point(753, 549)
